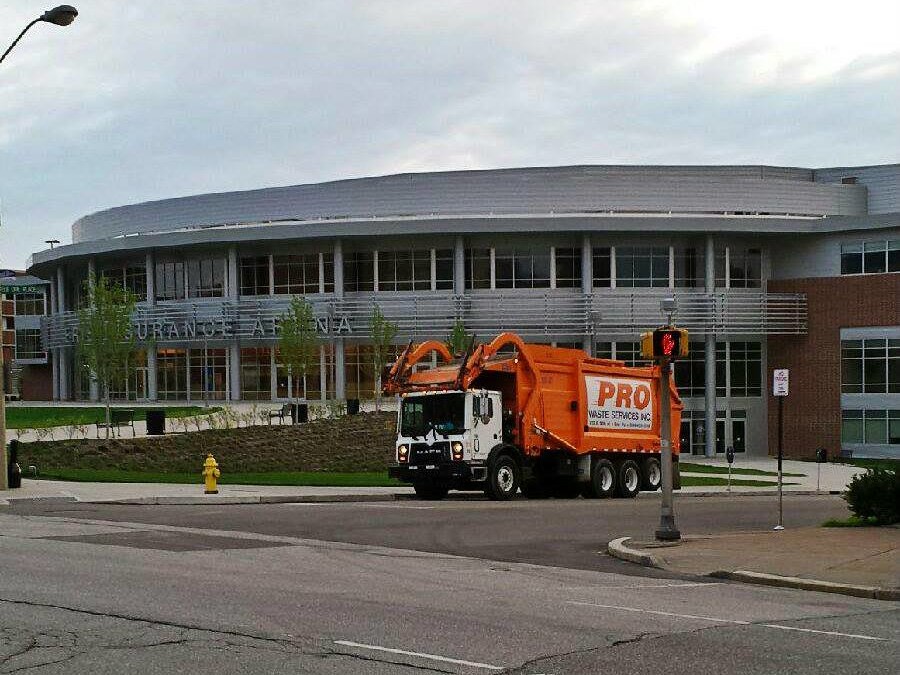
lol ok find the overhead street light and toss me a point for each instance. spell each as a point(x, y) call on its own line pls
point(62, 15)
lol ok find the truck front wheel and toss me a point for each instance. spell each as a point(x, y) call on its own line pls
point(503, 479)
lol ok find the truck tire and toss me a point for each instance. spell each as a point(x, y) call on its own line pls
point(503, 478)
point(651, 475)
point(603, 479)
point(628, 479)
point(430, 490)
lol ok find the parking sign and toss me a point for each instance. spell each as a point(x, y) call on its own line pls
point(780, 382)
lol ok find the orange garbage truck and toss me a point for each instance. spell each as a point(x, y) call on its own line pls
point(510, 415)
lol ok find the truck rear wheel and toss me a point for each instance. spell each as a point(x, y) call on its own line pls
point(503, 479)
point(430, 490)
point(628, 482)
point(603, 479)
point(651, 476)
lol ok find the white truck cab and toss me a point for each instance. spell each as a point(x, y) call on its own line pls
point(444, 438)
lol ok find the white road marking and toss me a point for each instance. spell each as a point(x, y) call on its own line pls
point(731, 621)
point(432, 657)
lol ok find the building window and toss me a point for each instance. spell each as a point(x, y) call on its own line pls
point(297, 274)
point(256, 373)
point(206, 278)
point(443, 269)
point(359, 369)
point(871, 257)
point(478, 268)
point(627, 351)
point(602, 256)
point(255, 275)
point(522, 268)
point(294, 386)
point(29, 304)
point(171, 374)
point(359, 271)
point(170, 280)
point(690, 270)
point(568, 267)
point(642, 266)
point(875, 427)
point(404, 270)
point(28, 344)
point(745, 369)
point(208, 374)
point(870, 366)
point(133, 387)
point(738, 267)
point(690, 372)
point(132, 277)
point(136, 281)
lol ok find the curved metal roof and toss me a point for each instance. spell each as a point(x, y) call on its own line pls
point(553, 190)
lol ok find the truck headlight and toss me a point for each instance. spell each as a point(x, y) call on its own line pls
point(457, 448)
point(402, 453)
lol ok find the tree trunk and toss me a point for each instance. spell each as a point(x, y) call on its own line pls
point(108, 411)
point(378, 391)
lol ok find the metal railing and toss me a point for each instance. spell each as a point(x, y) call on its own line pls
point(534, 314)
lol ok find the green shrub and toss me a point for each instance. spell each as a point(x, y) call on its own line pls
point(876, 495)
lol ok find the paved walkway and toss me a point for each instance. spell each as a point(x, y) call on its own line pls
point(858, 556)
point(826, 477)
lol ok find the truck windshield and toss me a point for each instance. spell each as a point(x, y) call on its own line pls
point(443, 413)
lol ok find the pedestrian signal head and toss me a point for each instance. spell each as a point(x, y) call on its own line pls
point(664, 343)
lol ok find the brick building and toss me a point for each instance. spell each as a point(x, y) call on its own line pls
point(26, 368)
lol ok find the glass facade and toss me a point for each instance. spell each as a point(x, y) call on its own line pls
point(871, 257)
point(874, 427)
point(870, 366)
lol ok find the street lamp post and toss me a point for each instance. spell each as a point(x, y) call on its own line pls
point(61, 15)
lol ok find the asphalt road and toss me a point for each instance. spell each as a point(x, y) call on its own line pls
point(566, 533)
point(282, 589)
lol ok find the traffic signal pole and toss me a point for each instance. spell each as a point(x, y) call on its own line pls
point(667, 530)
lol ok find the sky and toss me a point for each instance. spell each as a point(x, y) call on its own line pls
point(145, 100)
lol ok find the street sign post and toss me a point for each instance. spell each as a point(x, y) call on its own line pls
point(780, 387)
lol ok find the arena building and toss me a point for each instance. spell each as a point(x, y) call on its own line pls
point(770, 267)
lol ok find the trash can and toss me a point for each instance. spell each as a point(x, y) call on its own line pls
point(300, 413)
point(352, 406)
point(156, 422)
point(13, 471)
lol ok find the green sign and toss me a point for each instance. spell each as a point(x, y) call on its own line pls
point(13, 290)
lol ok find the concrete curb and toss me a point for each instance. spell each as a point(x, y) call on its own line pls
point(212, 499)
point(872, 592)
point(618, 548)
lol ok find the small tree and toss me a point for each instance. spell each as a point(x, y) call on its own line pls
point(383, 333)
point(459, 341)
point(298, 341)
point(105, 342)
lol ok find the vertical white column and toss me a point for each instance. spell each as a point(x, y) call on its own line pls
point(62, 352)
point(234, 348)
point(552, 267)
point(459, 266)
point(338, 343)
point(54, 353)
point(587, 282)
point(710, 357)
point(152, 381)
point(323, 373)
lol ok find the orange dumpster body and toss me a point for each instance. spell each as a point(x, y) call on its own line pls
point(554, 400)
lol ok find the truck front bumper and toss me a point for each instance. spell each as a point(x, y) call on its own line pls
point(451, 472)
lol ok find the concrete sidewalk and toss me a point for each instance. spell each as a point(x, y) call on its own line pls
point(173, 493)
point(862, 561)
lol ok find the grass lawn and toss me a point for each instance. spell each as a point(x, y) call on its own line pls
point(707, 468)
point(310, 478)
point(890, 464)
point(694, 481)
point(60, 416)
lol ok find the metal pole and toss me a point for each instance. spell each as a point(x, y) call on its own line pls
point(780, 525)
point(667, 530)
point(729, 476)
point(4, 485)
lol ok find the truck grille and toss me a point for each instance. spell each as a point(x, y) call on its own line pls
point(429, 454)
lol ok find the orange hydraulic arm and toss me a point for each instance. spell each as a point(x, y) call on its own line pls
point(398, 374)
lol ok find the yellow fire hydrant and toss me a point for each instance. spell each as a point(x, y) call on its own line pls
point(211, 475)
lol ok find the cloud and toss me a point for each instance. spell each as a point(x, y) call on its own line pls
point(142, 100)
